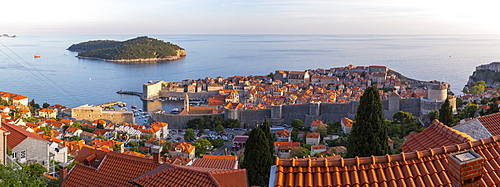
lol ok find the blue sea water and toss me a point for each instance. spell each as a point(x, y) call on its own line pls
point(58, 77)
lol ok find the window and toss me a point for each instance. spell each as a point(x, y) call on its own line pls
point(14, 155)
point(23, 154)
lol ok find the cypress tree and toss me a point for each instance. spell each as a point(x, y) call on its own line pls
point(258, 157)
point(369, 132)
point(446, 114)
point(266, 128)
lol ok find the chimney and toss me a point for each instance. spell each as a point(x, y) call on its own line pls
point(63, 172)
point(156, 150)
point(466, 168)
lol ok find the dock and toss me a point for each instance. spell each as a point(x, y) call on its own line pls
point(130, 93)
point(113, 103)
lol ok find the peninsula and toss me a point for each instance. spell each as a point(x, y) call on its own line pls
point(140, 49)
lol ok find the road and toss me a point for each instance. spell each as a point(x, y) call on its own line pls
point(228, 145)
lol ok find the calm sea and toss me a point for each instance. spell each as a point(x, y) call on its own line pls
point(58, 77)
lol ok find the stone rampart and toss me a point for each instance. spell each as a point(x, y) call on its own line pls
point(306, 113)
point(167, 94)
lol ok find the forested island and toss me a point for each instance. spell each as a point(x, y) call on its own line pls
point(140, 49)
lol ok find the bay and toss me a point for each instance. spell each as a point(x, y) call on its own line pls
point(58, 77)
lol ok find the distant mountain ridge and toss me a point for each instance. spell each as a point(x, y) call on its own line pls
point(140, 49)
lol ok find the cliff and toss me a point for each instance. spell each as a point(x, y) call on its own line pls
point(490, 77)
point(140, 49)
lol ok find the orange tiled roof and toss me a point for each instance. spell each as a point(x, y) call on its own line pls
point(175, 175)
point(215, 163)
point(422, 168)
point(316, 123)
point(159, 124)
point(318, 146)
point(347, 122)
point(491, 122)
point(18, 135)
point(312, 135)
point(184, 146)
point(223, 157)
point(436, 135)
point(283, 132)
point(114, 170)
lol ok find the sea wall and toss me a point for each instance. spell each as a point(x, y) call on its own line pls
point(284, 114)
point(198, 95)
point(177, 121)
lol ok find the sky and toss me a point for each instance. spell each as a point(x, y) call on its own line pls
point(249, 17)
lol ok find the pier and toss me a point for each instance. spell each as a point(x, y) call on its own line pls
point(130, 93)
point(108, 104)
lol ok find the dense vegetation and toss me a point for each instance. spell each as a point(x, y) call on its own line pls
point(369, 132)
point(211, 122)
point(138, 48)
point(94, 44)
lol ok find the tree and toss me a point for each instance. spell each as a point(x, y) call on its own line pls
point(297, 123)
point(196, 123)
point(189, 135)
point(369, 131)
point(266, 128)
point(446, 114)
point(403, 117)
point(202, 145)
point(45, 105)
point(258, 157)
point(29, 175)
point(100, 126)
point(299, 152)
point(471, 109)
point(217, 143)
point(219, 128)
point(493, 106)
point(322, 130)
point(333, 128)
point(434, 114)
point(232, 123)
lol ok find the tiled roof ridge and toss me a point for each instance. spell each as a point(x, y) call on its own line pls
point(128, 157)
point(158, 171)
point(357, 161)
point(449, 134)
point(21, 131)
point(456, 134)
point(211, 177)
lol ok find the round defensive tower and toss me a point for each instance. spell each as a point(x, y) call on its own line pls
point(437, 91)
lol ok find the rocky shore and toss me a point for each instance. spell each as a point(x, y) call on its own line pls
point(180, 54)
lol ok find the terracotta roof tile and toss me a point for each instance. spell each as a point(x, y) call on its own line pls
point(164, 174)
point(491, 122)
point(436, 135)
point(113, 171)
point(107, 169)
point(312, 135)
point(18, 135)
point(429, 167)
point(215, 163)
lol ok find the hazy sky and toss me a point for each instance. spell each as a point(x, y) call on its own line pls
point(249, 17)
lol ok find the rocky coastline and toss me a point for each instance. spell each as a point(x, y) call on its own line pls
point(180, 54)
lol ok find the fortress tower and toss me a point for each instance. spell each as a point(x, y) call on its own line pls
point(437, 91)
point(186, 103)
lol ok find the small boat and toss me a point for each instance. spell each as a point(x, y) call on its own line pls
point(36, 56)
point(134, 107)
